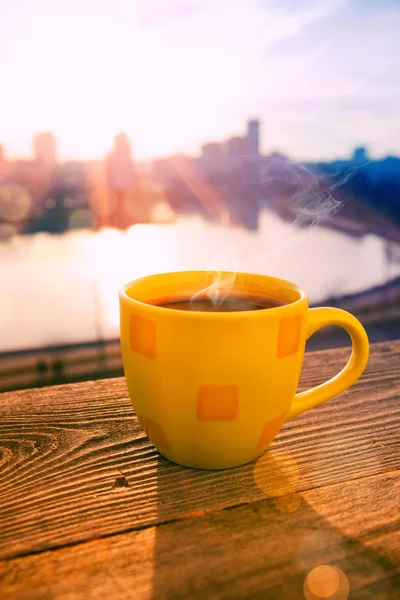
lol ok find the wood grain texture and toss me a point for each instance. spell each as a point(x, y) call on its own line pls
point(75, 464)
point(255, 551)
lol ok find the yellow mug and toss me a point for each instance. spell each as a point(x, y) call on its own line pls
point(212, 389)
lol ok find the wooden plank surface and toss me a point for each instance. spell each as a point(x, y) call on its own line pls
point(259, 550)
point(75, 466)
point(65, 450)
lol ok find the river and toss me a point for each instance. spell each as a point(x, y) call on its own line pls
point(64, 289)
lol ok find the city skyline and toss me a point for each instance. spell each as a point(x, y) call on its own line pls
point(322, 77)
point(45, 149)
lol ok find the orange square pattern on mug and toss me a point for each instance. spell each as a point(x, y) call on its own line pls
point(217, 403)
point(154, 432)
point(289, 336)
point(143, 336)
point(270, 430)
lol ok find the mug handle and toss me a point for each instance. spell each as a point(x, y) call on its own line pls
point(321, 317)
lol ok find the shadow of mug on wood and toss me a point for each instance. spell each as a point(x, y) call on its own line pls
point(222, 534)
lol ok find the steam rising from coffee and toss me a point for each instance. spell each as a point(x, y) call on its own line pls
point(303, 198)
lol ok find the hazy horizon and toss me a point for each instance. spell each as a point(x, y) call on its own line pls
point(194, 154)
point(322, 77)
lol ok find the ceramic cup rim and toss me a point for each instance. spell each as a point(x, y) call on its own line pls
point(302, 296)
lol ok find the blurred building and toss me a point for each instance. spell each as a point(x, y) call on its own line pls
point(162, 171)
point(236, 146)
point(120, 171)
point(120, 166)
point(3, 164)
point(2, 156)
point(212, 151)
point(253, 136)
point(360, 156)
point(213, 158)
point(45, 149)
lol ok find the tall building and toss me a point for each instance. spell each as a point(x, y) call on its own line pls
point(253, 136)
point(121, 178)
point(120, 165)
point(122, 146)
point(45, 149)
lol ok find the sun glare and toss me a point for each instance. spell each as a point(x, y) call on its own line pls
point(113, 258)
point(107, 73)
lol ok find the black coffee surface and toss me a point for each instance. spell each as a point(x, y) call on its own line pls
point(231, 304)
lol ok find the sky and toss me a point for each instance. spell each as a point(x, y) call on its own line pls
point(322, 75)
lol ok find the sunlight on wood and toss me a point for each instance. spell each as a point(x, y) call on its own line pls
point(277, 475)
point(326, 582)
